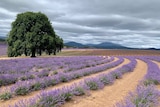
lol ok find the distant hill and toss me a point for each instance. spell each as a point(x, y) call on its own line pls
point(104, 45)
point(108, 45)
point(152, 49)
point(74, 45)
point(2, 39)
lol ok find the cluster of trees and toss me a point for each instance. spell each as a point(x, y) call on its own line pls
point(31, 34)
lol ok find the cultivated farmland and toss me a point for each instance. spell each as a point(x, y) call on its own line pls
point(80, 81)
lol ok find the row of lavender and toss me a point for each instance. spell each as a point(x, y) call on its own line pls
point(21, 66)
point(146, 95)
point(25, 87)
point(25, 69)
point(58, 97)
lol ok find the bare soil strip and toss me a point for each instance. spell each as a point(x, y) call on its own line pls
point(31, 95)
point(68, 52)
point(158, 87)
point(158, 63)
point(108, 96)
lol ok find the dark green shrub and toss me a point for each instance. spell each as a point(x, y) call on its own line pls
point(63, 79)
point(67, 96)
point(92, 85)
point(21, 91)
point(36, 86)
point(150, 82)
point(79, 91)
point(5, 96)
point(105, 80)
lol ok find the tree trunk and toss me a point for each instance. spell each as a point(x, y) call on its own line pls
point(40, 52)
point(33, 53)
point(54, 52)
point(25, 52)
point(49, 53)
point(60, 49)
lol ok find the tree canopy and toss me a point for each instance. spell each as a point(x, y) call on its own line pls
point(31, 34)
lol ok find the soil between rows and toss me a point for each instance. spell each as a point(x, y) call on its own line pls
point(33, 94)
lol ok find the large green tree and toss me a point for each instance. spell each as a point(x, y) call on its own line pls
point(31, 34)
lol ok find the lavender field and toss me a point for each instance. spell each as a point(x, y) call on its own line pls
point(59, 81)
point(3, 49)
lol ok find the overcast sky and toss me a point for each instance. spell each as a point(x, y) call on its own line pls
point(132, 23)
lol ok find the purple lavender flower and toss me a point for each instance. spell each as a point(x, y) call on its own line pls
point(94, 83)
point(143, 97)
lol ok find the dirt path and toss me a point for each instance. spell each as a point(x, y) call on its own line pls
point(31, 95)
point(108, 96)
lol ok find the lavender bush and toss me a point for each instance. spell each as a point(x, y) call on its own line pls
point(5, 96)
point(143, 97)
point(94, 83)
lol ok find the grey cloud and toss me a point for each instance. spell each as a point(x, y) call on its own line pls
point(91, 20)
point(111, 21)
point(133, 23)
point(69, 27)
point(15, 5)
point(124, 7)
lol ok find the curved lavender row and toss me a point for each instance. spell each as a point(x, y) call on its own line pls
point(146, 94)
point(16, 66)
point(43, 73)
point(153, 72)
point(109, 78)
point(24, 65)
point(13, 70)
point(76, 66)
point(24, 87)
point(24, 71)
point(82, 68)
point(155, 58)
point(58, 97)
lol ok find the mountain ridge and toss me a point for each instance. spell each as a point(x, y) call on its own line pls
point(2, 39)
point(103, 45)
